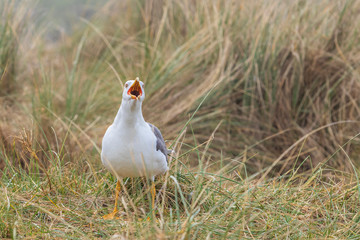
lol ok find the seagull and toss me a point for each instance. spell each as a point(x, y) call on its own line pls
point(132, 147)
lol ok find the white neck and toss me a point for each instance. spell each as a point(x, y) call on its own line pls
point(129, 113)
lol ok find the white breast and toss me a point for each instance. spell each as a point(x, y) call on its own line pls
point(131, 152)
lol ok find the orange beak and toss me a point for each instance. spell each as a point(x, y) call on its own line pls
point(135, 90)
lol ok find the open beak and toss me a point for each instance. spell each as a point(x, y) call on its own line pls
point(135, 90)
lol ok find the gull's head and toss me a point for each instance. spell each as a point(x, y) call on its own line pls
point(134, 90)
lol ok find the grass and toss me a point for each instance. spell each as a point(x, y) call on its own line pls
point(191, 203)
point(259, 100)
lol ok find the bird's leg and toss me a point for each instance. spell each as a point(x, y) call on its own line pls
point(153, 193)
point(117, 191)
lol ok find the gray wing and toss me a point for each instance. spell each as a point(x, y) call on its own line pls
point(160, 143)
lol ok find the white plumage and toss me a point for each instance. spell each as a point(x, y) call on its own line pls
point(129, 144)
point(132, 147)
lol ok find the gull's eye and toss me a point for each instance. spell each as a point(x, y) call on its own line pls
point(126, 85)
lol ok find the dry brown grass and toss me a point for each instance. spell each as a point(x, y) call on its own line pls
point(275, 73)
point(281, 71)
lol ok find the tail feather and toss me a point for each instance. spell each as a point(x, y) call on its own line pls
point(170, 151)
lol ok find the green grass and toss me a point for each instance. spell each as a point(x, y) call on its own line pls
point(69, 200)
point(259, 100)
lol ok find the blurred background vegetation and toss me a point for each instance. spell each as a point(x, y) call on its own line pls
point(279, 80)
